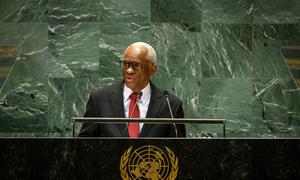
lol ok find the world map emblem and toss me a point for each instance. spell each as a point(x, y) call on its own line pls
point(148, 162)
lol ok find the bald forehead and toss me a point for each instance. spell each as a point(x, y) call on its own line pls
point(136, 52)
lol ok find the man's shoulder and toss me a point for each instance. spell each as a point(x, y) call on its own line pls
point(105, 90)
point(174, 97)
point(162, 92)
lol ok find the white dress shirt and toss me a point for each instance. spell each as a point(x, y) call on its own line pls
point(143, 103)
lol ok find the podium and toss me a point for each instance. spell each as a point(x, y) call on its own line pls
point(116, 159)
point(155, 158)
point(149, 121)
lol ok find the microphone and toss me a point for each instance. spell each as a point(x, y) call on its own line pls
point(139, 95)
point(166, 94)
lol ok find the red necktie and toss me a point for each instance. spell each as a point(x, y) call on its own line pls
point(133, 128)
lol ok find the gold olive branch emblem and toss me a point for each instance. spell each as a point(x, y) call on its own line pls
point(123, 164)
point(172, 158)
point(174, 162)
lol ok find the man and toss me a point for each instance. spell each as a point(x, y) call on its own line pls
point(135, 97)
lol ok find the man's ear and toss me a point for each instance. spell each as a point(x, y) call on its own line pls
point(153, 69)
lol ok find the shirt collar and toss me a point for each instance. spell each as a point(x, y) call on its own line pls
point(146, 93)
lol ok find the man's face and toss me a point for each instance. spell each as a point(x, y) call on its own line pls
point(137, 78)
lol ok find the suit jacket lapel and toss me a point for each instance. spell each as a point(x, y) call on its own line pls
point(153, 108)
point(117, 105)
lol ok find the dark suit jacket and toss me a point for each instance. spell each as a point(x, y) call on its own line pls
point(108, 102)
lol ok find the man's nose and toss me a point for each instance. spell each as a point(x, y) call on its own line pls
point(130, 69)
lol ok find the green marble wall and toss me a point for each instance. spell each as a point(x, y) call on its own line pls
point(221, 57)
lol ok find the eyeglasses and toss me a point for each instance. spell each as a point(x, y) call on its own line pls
point(135, 65)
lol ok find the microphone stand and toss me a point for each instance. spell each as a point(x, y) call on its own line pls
point(140, 93)
point(166, 94)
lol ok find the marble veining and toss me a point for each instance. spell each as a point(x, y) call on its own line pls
point(223, 59)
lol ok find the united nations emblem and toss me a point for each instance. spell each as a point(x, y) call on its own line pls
point(149, 162)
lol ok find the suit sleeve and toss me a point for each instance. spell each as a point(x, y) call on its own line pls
point(90, 130)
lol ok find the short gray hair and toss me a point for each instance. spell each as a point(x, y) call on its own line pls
point(151, 54)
